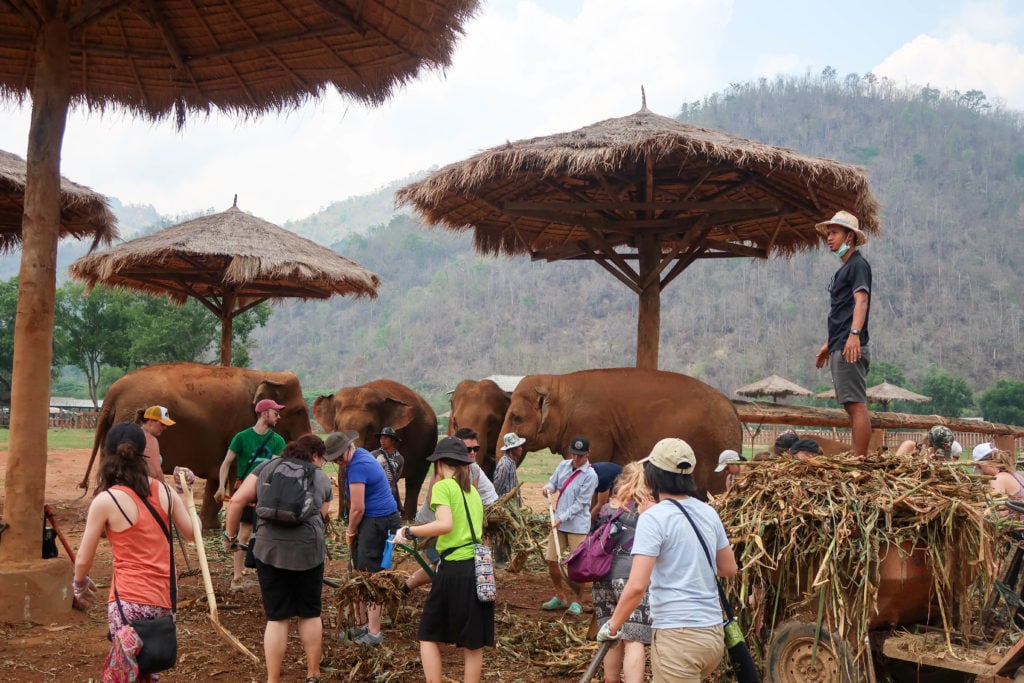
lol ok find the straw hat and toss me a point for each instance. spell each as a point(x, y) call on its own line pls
point(844, 219)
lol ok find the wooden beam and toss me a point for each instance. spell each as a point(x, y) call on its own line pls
point(529, 208)
point(92, 11)
point(609, 252)
point(173, 48)
point(27, 10)
point(736, 249)
point(604, 263)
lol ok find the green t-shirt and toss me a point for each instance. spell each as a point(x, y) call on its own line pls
point(250, 450)
point(447, 492)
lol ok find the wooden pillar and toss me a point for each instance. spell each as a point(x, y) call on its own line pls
point(226, 323)
point(25, 483)
point(648, 323)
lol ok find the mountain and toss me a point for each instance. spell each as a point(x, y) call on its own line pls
point(948, 169)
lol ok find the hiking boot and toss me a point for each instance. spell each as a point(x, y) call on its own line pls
point(574, 610)
point(370, 639)
point(554, 603)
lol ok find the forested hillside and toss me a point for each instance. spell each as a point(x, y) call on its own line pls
point(947, 168)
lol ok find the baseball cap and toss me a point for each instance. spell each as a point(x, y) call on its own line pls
point(337, 443)
point(805, 445)
point(158, 413)
point(672, 455)
point(512, 440)
point(126, 431)
point(268, 404)
point(982, 451)
point(725, 458)
point(580, 445)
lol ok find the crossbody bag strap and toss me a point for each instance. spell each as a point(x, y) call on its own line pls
point(252, 462)
point(707, 554)
point(568, 481)
point(469, 518)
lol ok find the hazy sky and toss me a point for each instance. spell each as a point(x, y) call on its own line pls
point(534, 68)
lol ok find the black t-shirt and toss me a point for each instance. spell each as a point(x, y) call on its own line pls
point(852, 276)
point(606, 473)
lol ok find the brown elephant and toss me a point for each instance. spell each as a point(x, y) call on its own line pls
point(624, 412)
point(384, 403)
point(209, 404)
point(481, 406)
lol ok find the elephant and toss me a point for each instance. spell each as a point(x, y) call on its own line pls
point(624, 412)
point(481, 406)
point(385, 403)
point(209, 404)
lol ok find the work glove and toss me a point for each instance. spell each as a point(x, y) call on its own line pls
point(230, 544)
point(605, 633)
point(84, 592)
point(190, 478)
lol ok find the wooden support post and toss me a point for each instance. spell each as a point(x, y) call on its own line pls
point(648, 323)
point(226, 323)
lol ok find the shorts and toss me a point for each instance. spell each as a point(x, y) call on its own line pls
point(373, 535)
point(566, 543)
point(686, 654)
point(850, 379)
point(289, 593)
point(452, 613)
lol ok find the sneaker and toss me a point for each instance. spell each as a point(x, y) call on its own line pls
point(554, 603)
point(574, 610)
point(370, 639)
point(237, 585)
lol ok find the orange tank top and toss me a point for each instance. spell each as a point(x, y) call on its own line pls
point(142, 560)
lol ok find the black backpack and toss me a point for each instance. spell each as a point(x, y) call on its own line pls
point(286, 492)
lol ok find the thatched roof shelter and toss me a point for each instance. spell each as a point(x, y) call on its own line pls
point(230, 262)
point(774, 386)
point(886, 393)
point(160, 59)
point(83, 213)
point(644, 196)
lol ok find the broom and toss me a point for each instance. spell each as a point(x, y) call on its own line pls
point(211, 598)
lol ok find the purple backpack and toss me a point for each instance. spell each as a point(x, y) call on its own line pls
point(592, 559)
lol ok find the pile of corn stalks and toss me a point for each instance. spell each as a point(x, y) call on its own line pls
point(809, 534)
point(517, 528)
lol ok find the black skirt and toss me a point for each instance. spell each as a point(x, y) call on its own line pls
point(452, 612)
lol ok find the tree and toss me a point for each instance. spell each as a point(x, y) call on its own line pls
point(885, 372)
point(1004, 402)
point(950, 394)
point(8, 308)
point(92, 330)
point(165, 332)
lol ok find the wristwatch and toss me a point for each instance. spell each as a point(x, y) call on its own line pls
point(855, 331)
point(409, 534)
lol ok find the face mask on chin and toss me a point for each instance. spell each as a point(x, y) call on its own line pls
point(841, 251)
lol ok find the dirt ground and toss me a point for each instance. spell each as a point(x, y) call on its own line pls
point(532, 645)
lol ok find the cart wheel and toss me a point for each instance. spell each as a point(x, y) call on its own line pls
point(792, 656)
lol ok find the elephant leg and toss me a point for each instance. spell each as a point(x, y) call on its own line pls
point(413, 484)
point(211, 508)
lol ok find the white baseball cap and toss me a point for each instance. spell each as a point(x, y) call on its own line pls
point(982, 451)
point(725, 458)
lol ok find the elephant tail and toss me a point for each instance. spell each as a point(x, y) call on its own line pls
point(103, 424)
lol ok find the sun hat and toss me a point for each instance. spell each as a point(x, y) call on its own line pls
point(451, 448)
point(982, 451)
point(727, 456)
point(158, 413)
point(389, 431)
point(126, 431)
point(806, 446)
point(337, 443)
point(268, 404)
point(512, 440)
point(672, 455)
point(844, 219)
point(580, 445)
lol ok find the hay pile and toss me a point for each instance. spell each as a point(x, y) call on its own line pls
point(808, 535)
point(519, 529)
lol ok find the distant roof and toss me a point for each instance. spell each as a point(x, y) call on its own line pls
point(67, 402)
point(506, 382)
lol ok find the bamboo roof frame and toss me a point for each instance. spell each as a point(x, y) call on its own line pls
point(230, 262)
point(83, 212)
point(644, 196)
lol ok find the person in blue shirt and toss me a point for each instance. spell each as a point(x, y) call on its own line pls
point(372, 515)
point(686, 614)
point(575, 481)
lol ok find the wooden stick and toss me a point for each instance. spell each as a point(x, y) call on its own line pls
point(48, 513)
point(554, 535)
point(211, 597)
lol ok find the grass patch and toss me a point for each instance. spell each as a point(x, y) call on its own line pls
point(537, 467)
point(59, 438)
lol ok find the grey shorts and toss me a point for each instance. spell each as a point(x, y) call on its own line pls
point(850, 379)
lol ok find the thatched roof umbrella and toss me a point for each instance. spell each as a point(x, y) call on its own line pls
point(774, 386)
point(886, 393)
point(644, 196)
point(230, 262)
point(83, 213)
point(826, 395)
point(161, 59)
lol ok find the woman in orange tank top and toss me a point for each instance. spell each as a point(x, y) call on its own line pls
point(141, 556)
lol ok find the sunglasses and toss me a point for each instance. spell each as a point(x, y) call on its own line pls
point(473, 449)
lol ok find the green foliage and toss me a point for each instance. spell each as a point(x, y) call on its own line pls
point(951, 395)
point(1004, 402)
point(8, 309)
point(882, 371)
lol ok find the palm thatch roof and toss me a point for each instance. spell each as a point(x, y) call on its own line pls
point(230, 262)
point(701, 191)
point(774, 386)
point(886, 393)
point(83, 213)
point(155, 58)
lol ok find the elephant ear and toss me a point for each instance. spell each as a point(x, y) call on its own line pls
point(543, 405)
point(397, 414)
point(266, 389)
point(323, 411)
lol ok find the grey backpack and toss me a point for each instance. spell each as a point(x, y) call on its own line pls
point(286, 491)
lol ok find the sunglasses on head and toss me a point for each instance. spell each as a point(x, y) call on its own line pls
point(472, 449)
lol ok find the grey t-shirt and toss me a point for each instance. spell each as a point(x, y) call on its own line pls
point(294, 548)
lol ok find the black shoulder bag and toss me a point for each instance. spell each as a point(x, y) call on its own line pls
point(159, 636)
point(742, 663)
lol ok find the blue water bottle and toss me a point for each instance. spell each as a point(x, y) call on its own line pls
point(389, 548)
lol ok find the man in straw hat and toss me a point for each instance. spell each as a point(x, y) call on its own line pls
point(846, 349)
